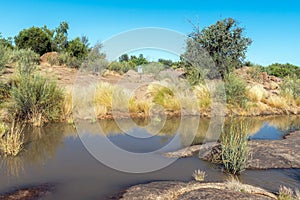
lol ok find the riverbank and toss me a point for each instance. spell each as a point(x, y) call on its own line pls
point(265, 154)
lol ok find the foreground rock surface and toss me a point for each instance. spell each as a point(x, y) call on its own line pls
point(172, 190)
point(32, 193)
point(265, 154)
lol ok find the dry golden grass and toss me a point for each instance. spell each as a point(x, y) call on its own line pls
point(255, 93)
point(12, 143)
point(139, 106)
point(234, 184)
point(67, 106)
point(276, 102)
point(203, 95)
point(199, 175)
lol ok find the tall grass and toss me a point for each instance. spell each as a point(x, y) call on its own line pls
point(203, 95)
point(25, 60)
point(36, 100)
point(235, 89)
point(164, 96)
point(234, 142)
point(12, 141)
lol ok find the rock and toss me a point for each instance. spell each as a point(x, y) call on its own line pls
point(265, 154)
point(173, 190)
point(36, 192)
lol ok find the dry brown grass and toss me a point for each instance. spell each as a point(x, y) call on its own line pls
point(276, 102)
point(12, 142)
point(255, 93)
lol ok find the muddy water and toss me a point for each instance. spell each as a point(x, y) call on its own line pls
point(55, 155)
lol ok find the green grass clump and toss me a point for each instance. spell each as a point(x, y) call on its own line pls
point(235, 89)
point(37, 100)
point(234, 142)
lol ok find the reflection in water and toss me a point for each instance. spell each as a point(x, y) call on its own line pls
point(47, 142)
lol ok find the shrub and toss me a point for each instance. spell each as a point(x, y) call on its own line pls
point(66, 59)
point(5, 54)
point(95, 61)
point(234, 147)
point(291, 86)
point(25, 60)
point(35, 39)
point(255, 93)
point(36, 100)
point(12, 141)
point(77, 49)
point(235, 89)
point(282, 70)
point(4, 92)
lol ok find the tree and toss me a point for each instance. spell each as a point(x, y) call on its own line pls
point(225, 44)
point(77, 49)
point(165, 62)
point(124, 58)
point(6, 42)
point(35, 39)
point(60, 36)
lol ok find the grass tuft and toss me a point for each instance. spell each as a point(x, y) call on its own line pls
point(234, 142)
point(199, 175)
point(12, 142)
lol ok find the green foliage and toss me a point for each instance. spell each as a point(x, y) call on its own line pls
point(124, 58)
point(4, 92)
point(96, 60)
point(6, 42)
point(35, 39)
point(167, 63)
point(153, 68)
point(291, 86)
point(225, 44)
point(36, 100)
point(66, 59)
point(26, 60)
point(234, 146)
point(235, 89)
point(5, 54)
point(60, 37)
point(138, 60)
point(77, 49)
point(121, 67)
point(282, 70)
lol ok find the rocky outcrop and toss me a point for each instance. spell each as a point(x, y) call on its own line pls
point(265, 154)
point(173, 190)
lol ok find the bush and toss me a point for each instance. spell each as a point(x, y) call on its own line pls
point(77, 49)
point(282, 70)
point(66, 59)
point(35, 39)
point(26, 60)
point(235, 89)
point(5, 54)
point(291, 86)
point(234, 147)
point(95, 61)
point(36, 100)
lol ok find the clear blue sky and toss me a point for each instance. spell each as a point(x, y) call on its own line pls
point(274, 26)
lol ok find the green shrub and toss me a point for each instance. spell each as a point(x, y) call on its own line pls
point(282, 70)
point(235, 89)
point(66, 59)
point(26, 60)
point(77, 49)
point(35, 39)
point(36, 100)
point(4, 92)
point(5, 54)
point(291, 86)
point(235, 152)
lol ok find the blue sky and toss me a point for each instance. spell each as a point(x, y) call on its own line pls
point(272, 25)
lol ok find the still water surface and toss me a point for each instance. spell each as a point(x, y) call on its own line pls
point(55, 155)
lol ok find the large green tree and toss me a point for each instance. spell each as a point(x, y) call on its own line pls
point(35, 39)
point(225, 44)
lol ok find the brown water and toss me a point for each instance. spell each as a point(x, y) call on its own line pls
point(55, 155)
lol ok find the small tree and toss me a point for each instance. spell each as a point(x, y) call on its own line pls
point(35, 39)
point(225, 44)
point(77, 49)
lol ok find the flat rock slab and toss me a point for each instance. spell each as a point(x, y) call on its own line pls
point(265, 154)
point(32, 193)
point(173, 190)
